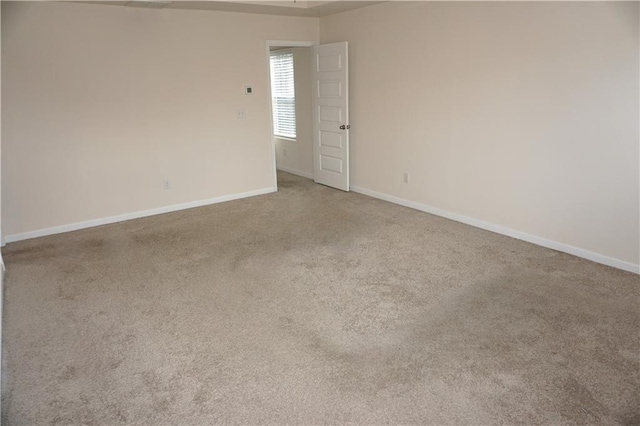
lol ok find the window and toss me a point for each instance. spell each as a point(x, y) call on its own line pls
point(283, 94)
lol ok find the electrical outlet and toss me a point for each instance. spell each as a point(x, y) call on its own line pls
point(241, 114)
point(166, 184)
point(406, 177)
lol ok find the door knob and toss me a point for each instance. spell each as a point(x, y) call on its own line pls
point(347, 127)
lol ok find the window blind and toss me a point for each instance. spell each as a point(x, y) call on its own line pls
point(283, 94)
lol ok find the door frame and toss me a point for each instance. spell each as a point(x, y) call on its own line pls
point(270, 44)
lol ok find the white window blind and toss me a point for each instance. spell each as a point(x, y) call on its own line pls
point(283, 94)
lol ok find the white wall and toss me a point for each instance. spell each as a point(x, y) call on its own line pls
point(522, 115)
point(299, 152)
point(101, 103)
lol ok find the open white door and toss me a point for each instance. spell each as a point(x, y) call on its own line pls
point(331, 115)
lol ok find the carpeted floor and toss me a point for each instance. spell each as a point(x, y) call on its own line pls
point(313, 306)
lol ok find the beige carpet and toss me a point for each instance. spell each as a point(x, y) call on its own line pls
point(313, 306)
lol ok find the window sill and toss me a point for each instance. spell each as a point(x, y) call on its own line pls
point(285, 138)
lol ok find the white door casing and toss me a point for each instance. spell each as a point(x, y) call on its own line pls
point(330, 71)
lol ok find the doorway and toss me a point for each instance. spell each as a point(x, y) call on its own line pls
point(309, 100)
point(291, 124)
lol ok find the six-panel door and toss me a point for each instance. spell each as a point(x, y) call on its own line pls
point(331, 115)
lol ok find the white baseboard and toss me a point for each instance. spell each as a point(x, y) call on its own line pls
point(296, 172)
point(135, 215)
point(555, 245)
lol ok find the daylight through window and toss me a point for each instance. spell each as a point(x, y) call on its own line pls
point(283, 94)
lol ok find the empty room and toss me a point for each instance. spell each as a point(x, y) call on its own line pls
point(320, 212)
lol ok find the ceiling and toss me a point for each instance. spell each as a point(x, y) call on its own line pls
point(306, 8)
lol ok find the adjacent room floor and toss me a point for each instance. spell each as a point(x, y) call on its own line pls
point(313, 305)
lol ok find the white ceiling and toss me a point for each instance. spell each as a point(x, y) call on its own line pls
point(307, 8)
